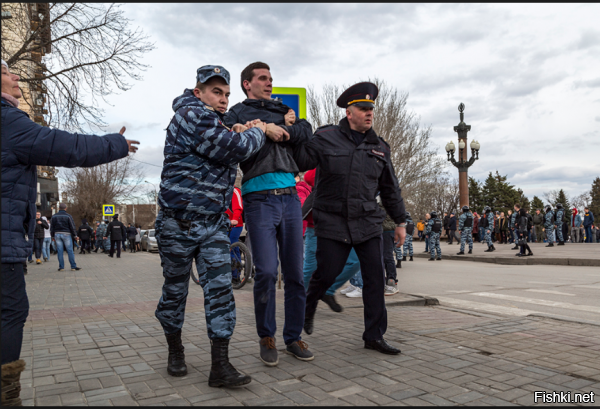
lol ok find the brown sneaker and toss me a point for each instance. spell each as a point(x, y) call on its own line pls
point(268, 352)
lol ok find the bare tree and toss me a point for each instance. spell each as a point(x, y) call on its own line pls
point(75, 53)
point(551, 195)
point(581, 201)
point(89, 188)
point(439, 193)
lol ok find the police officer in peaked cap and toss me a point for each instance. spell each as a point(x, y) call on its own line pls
point(353, 165)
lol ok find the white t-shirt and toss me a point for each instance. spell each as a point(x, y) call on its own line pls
point(46, 231)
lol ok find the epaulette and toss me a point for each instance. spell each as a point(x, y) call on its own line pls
point(383, 140)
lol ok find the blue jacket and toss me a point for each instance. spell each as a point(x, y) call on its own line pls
point(452, 223)
point(201, 157)
point(26, 144)
point(577, 222)
point(588, 219)
point(62, 222)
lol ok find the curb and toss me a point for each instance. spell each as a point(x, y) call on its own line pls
point(419, 301)
point(566, 319)
point(522, 261)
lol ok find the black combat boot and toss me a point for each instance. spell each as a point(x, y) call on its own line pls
point(460, 253)
point(399, 263)
point(403, 258)
point(431, 259)
point(176, 361)
point(411, 258)
point(493, 248)
point(222, 373)
point(489, 249)
point(515, 248)
point(561, 243)
point(470, 251)
point(550, 245)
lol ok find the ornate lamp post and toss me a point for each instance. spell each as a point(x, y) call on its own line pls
point(463, 164)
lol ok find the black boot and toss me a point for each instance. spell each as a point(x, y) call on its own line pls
point(561, 243)
point(550, 245)
point(470, 251)
point(515, 248)
point(399, 263)
point(309, 323)
point(403, 258)
point(176, 361)
point(489, 249)
point(333, 304)
point(411, 258)
point(431, 259)
point(222, 373)
point(493, 248)
point(96, 250)
point(460, 253)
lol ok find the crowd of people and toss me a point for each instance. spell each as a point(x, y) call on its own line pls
point(57, 235)
point(345, 221)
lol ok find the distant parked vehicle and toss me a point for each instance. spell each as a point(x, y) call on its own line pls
point(149, 241)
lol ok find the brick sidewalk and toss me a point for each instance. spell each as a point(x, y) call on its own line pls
point(92, 339)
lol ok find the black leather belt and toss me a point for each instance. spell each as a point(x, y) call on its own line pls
point(277, 192)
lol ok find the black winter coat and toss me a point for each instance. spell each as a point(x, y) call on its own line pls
point(84, 232)
point(452, 223)
point(116, 230)
point(39, 228)
point(348, 179)
point(446, 221)
point(131, 231)
point(26, 144)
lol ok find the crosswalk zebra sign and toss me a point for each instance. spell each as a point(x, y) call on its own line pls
point(108, 210)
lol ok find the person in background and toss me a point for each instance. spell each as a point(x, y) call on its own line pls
point(452, 228)
point(116, 232)
point(62, 228)
point(38, 236)
point(502, 228)
point(131, 233)
point(138, 238)
point(85, 235)
point(304, 190)
point(446, 221)
point(420, 229)
point(235, 212)
point(100, 235)
point(475, 226)
point(427, 217)
point(47, 241)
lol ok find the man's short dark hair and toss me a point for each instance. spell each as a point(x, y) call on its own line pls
point(62, 206)
point(518, 206)
point(248, 73)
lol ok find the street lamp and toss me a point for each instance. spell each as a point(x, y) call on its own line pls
point(156, 195)
point(463, 164)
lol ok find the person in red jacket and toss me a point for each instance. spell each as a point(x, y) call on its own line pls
point(234, 212)
point(304, 188)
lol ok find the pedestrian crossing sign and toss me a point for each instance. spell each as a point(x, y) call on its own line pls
point(108, 210)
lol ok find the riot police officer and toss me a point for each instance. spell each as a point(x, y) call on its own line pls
point(434, 229)
point(353, 165)
point(408, 243)
point(558, 223)
point(549, 225)
point(201, 158)
point(488, 227)
point(465, 226)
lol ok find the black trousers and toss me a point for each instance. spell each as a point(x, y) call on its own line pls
point(452, 235)
point(331, 259)
point(132, 243)
point(37, 246)
point(15, 308)
point(523, 246)
point(388, 255)
point(86, 245)
point(112, 247)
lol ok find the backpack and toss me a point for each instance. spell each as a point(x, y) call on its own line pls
point(437, 226)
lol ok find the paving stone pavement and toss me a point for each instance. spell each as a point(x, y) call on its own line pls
point(92, 339)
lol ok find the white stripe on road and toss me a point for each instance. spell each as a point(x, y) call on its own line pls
point(544, 282)
point(550, 292)
point(479, 306)
point(588, 308)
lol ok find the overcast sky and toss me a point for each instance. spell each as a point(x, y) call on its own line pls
point(529, 75)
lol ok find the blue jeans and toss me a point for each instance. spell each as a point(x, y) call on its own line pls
point(276, 221)
point(588, 234)
point(64, 241)
point(234, 237)
point(46, 247)
point(15, 308)
point(351, 268)
point(427, 242)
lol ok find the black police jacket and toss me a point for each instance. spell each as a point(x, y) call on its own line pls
point(116, 230)
point(84, 232)
point(348, 179)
